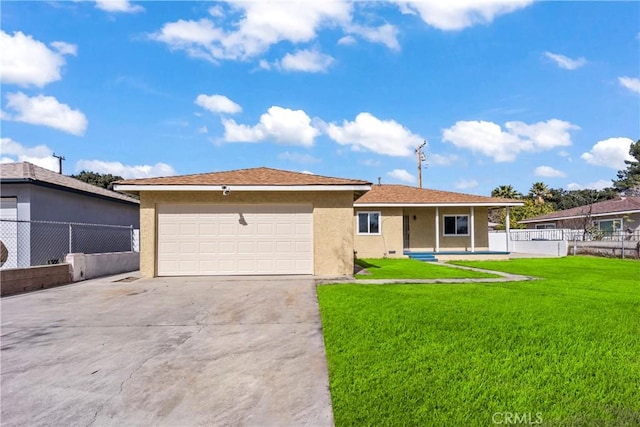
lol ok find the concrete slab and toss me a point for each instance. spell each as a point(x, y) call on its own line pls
point(167, 351)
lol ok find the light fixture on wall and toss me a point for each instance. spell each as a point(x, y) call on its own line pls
point(225, 190)
point(414, 218)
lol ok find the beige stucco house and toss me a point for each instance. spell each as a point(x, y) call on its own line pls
point(400, 221)
point(246, 222)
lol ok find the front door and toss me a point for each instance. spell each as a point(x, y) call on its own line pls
point(405, 231)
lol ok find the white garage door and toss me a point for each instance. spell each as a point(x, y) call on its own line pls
point(234, 239)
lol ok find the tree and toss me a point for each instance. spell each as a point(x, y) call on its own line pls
point(539, 193)
point(506, 192)
point(629, 179)
point(98, 179)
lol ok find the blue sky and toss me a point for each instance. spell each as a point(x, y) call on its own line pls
point(505, 92)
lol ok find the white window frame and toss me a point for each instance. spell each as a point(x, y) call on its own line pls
point(369, 213)
point(546, 226)
point(613, 220)
point(456, 234)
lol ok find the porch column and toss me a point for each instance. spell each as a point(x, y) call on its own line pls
point(472, 229)
point(507, 227)
point(437, 228)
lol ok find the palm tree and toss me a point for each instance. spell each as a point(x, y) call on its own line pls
point(506, 192)
point(539, 192)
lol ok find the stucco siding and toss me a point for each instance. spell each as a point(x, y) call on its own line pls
point(421, 231)
point(386, 243)
point(332, 223)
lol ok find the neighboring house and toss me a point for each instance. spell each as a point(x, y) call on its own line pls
point(257, 221)
point(613, 215)
point(398, 221)
point(33, 203)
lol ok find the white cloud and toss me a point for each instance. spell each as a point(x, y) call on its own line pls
point(490, 139)
point(262, 24)
point(282, 125)
point(29, 62)
point(367, 132)
point(370, 162)
point(548, 172)
point(386, 34)
point(125, 171)
point(597, 185)
point(347, 41)
point(465, 184)
point(459, 14)
point(298, 157)
point(566, 62)
point(443, 160)
point(402, 175)
point(203, 129)
point(45, 111)
point(307, 60)
point(122, 6)
point(610, 153)
point(217, 104)
point(631, 83)
point(40, 155)
point(253, 27)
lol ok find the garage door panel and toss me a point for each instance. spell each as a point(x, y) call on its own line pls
point(235, 239)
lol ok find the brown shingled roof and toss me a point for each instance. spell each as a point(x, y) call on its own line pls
point(254, 176)
point(25, 172)
point(627, 204)
point(402, 194)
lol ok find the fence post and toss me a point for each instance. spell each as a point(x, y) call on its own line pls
point(622, 235)
point(70, 238)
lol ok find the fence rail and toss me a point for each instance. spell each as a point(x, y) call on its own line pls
point(574, 235)
point(31, 243)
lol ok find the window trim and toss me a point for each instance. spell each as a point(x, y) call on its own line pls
point(544, 226)
point(369, 213)
point(613, 220)
point(444, 229)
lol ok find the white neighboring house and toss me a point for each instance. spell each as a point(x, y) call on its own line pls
point(608, 217)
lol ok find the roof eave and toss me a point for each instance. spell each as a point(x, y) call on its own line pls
point(315, 187)
point(445, 204)
point(596, 215)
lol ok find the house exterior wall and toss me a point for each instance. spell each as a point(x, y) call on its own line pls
point(333, 229)
point(44, 203)
point(41, 203)
point(384, 244)
point(421, 231)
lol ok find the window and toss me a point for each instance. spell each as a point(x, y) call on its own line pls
point(368, 222)
point(610, 225)
point(545, 226)
point(456, 225)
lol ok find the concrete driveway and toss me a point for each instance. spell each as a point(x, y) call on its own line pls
point(169, 351)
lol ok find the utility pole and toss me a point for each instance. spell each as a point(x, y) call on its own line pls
point(421, 158)
point(60, 159)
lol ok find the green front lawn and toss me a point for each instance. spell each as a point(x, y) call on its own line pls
point(402, 268)
point(564, 350)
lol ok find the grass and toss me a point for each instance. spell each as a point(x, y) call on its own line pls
point(397, 268)
point(564, 349)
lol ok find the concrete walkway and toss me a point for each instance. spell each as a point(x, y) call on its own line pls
point(171, 351)
point(504, 277)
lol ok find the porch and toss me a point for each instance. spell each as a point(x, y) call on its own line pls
point(481, 255)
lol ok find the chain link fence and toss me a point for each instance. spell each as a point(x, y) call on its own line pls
point(31, 243)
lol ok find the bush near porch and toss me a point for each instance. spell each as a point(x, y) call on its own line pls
point(563, 349)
